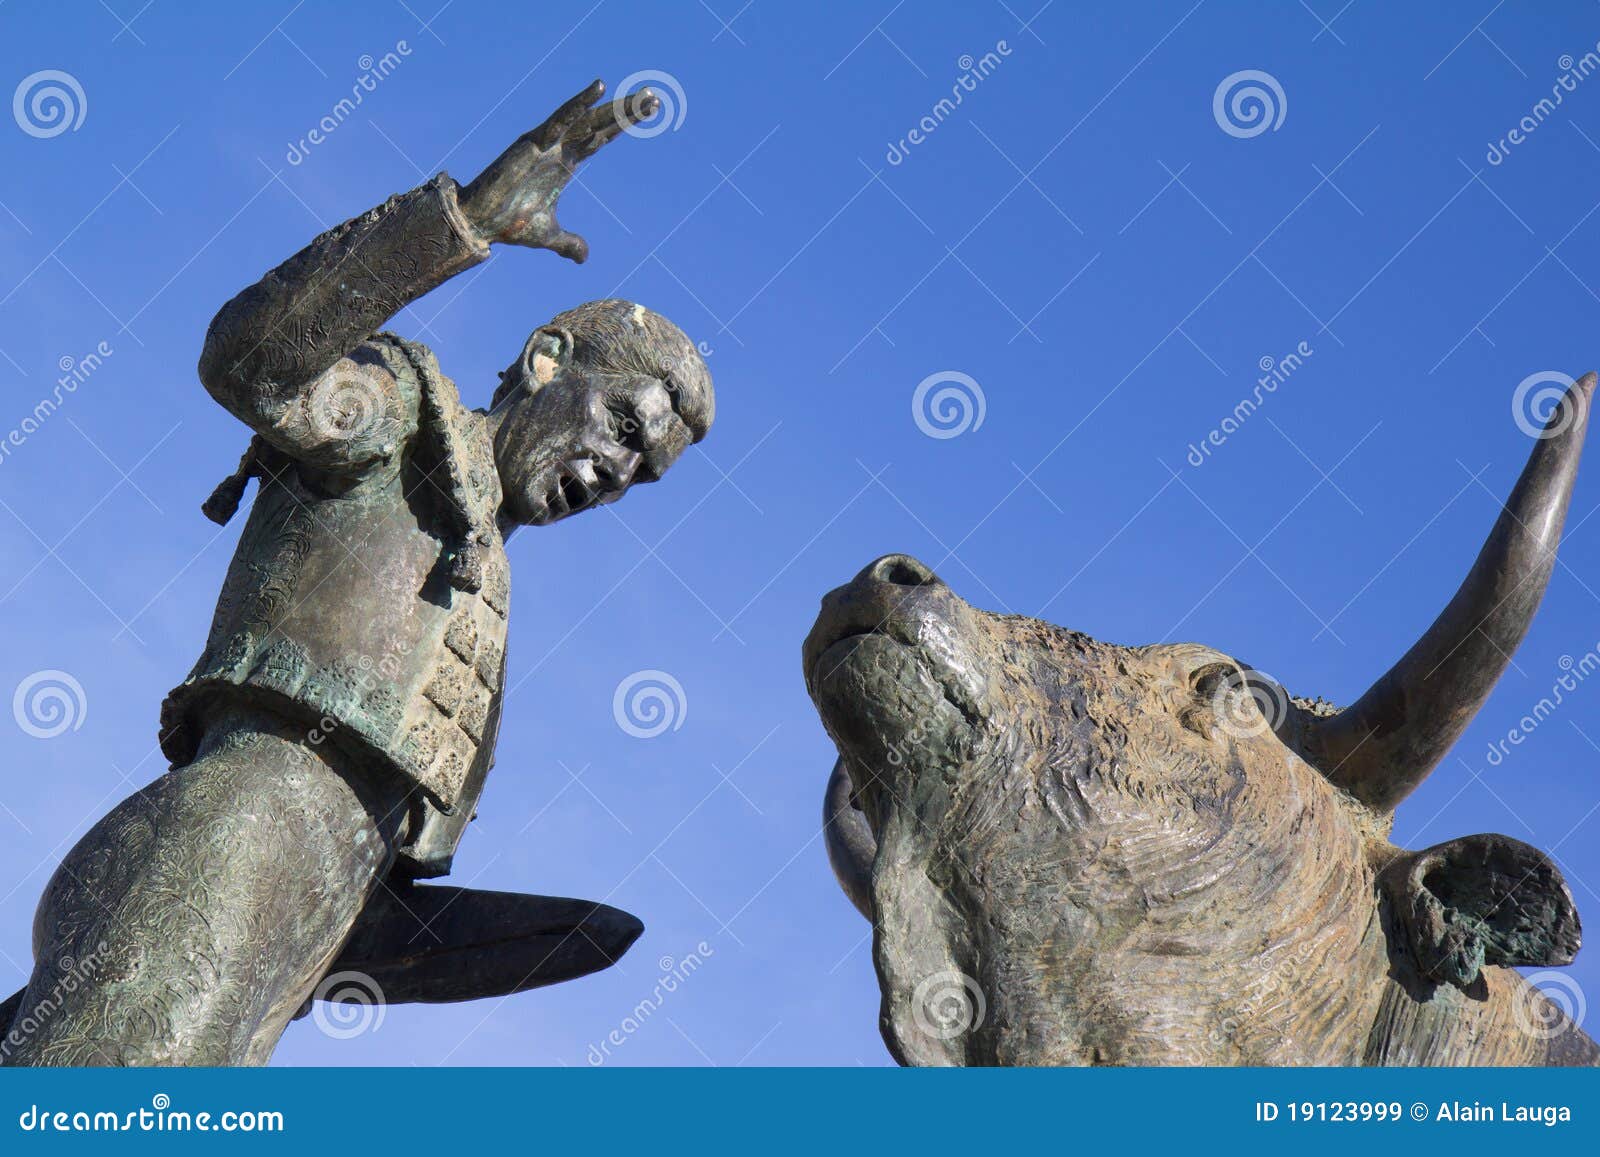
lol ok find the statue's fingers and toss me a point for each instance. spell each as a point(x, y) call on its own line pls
point(558, 122)
point(569, 245)
point(638, 106)
point(605, 122)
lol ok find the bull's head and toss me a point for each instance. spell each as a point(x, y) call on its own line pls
point(1075, 852)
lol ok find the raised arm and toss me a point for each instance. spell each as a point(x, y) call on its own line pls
point(268, 346)
point(277, 347)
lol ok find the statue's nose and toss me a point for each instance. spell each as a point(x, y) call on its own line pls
point(899, 570)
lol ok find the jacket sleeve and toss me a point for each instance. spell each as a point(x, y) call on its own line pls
point(287, 355)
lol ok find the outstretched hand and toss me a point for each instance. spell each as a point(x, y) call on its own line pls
point(513, 201)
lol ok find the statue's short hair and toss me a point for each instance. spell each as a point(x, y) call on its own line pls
point(616, 336)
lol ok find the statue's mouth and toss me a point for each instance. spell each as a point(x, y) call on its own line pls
point(874, 685)
point(833, 645)
point(866, 607)
point(888, 667)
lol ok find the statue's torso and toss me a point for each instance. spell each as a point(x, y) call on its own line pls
point(338, 611)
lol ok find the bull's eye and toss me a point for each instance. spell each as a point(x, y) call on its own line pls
point(1207, 681)
point(1198, 712)
point(1244, 703)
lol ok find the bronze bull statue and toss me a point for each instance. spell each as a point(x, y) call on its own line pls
point(1080, 853)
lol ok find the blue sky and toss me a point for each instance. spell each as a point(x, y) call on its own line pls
point(1081, 237)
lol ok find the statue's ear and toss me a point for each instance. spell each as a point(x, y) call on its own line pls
point(547, 352)
point(1481, 900)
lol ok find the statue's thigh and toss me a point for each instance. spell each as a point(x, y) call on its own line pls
point(189, 924)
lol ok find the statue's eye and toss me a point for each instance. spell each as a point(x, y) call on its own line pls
point(1207, 681)
point(1243, 702)
point(623, 426)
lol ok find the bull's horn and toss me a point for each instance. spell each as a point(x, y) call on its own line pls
point(851, 846)
point(1383, 746)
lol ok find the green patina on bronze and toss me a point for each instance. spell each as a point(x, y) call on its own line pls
point(331, 742)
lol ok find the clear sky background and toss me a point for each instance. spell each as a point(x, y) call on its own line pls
point(1080, 236)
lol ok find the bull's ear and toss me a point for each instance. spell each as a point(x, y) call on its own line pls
point(1481, 900)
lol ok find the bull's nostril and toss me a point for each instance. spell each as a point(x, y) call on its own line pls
point(901, 570)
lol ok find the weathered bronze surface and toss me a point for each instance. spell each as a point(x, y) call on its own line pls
point(331, 743)
point(1079, 853)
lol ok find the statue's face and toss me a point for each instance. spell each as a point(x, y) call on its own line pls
point(1083, 853)
point(926, 696)
point(1095, 838)
point(570, 437)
